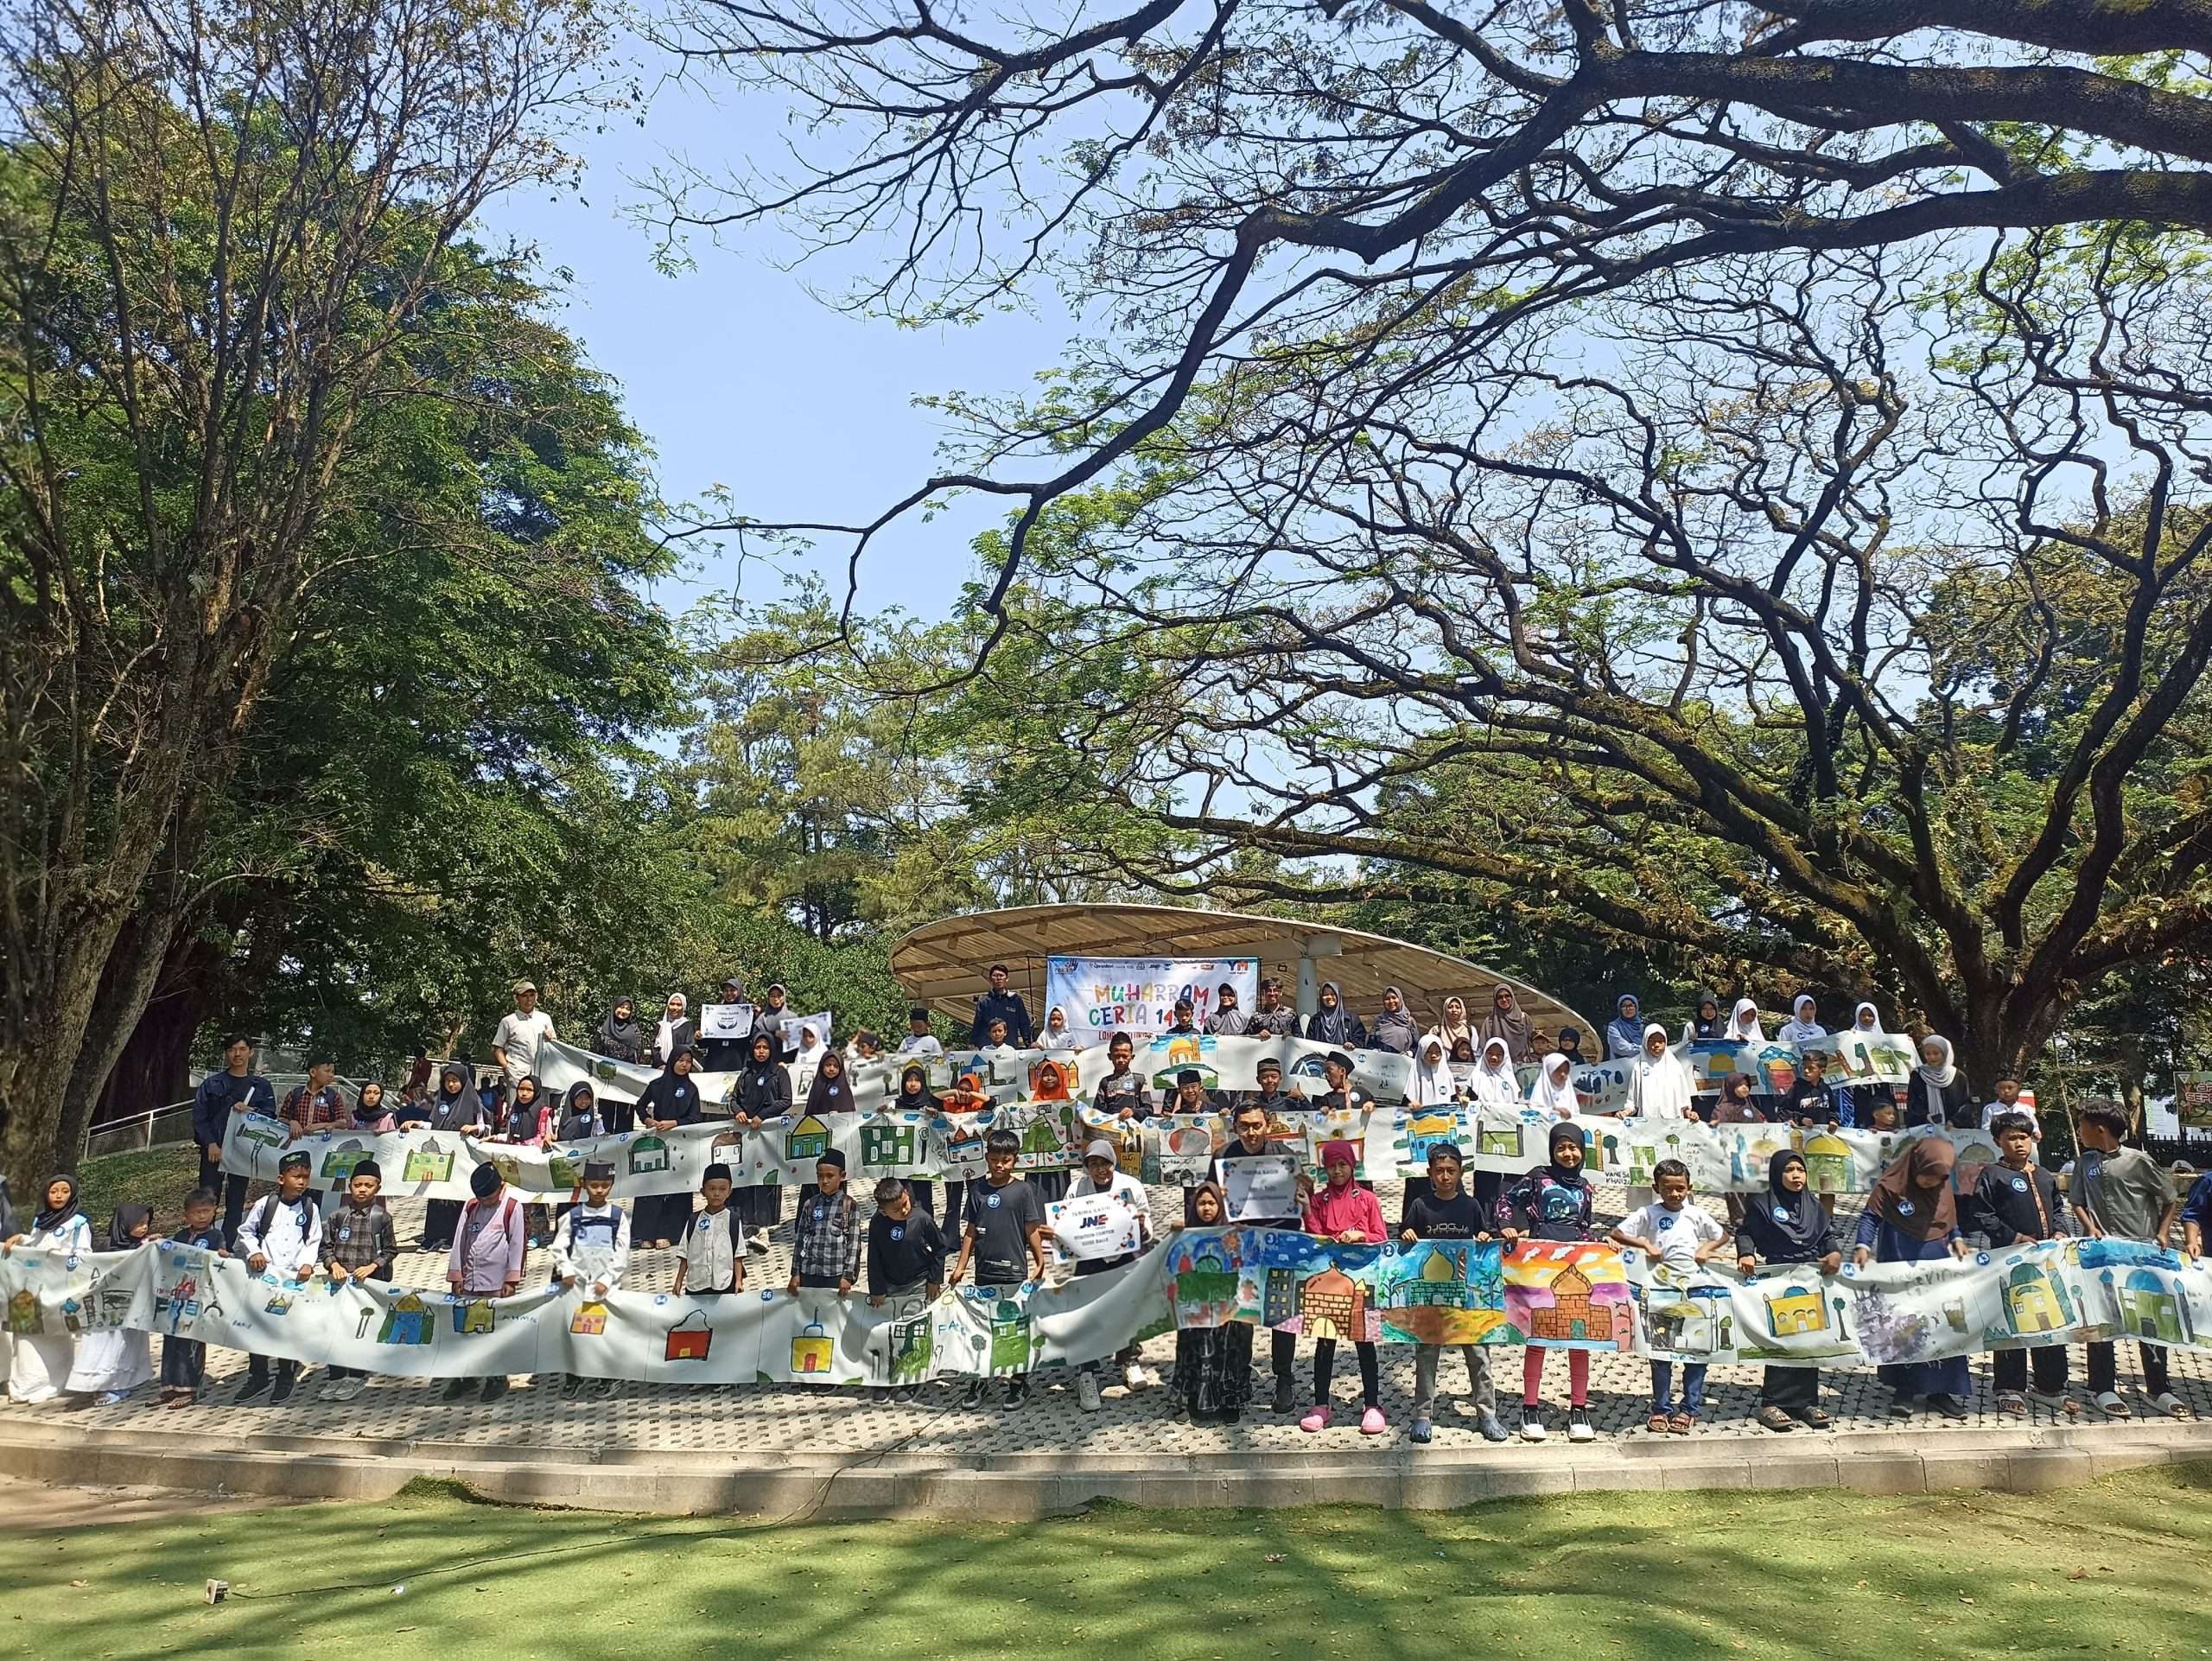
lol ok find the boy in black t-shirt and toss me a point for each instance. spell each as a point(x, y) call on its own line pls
point(1811, 1100)
point(906, 1258)
point(1447, 1211)
point(1004, 1237)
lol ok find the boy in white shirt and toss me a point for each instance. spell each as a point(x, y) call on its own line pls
point(1678, 1237)
point(281, 1236)
point(592, 1247)
point(1102, 1174)
point(710, 1254)
point(2008, 1101)
point(919, 1039)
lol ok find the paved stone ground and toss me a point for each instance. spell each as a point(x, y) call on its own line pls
point(752, 1420)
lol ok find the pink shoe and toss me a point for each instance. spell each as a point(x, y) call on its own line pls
point(1316, 1418)
point(1371, 1422)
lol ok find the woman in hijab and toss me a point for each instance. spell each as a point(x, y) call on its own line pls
point(1432, 1085)
point(1737, 1104)
point(1395, 1029)
point(370, 1113)
point(1553, 1092)
point(1705, 1021)
point(1937, 1093)
point(1803, 1026)
point(764, 1092)
point(39, 1363)
point(580, 1115)
point(1057, 1034)
point(1493, 1084)
point(1912, 1217)
point(1331, 1024)
point(1455, 1029)
point(1624, 1032)
point(528, 1114)
point(670, 1100)
point(1508, 1021)
point(1660, 1086)
point(113, 1362)
point(453, 1111)
point(1553, 1202)
point(1744, 1023)
point(1788, 1225)
point(619, 1038)
point(675, 1031)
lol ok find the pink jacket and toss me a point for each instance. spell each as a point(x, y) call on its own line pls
point(494, 1257)
point(1330, 1214)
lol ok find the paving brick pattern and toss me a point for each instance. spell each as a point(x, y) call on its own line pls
point(755, 1420)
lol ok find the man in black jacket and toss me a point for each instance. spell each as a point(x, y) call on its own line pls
point(234, 1090)
point(1001, 1003)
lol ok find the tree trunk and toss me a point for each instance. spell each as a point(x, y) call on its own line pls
point(154, 1067)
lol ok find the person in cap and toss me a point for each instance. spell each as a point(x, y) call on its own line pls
point(1003, 1003)
point(710, 1255)
point(1102, 1176)
point(1227, 1019)
point(920, 1041)
point(282, 1236)
point(826, 1244)
point(486, 1261)
point(726, 1054)
point(1271, 1096)
point(522, 1029)
point(1192, 1095)
point(1553, 1202)
point(591, 1253)
point(359, 1244)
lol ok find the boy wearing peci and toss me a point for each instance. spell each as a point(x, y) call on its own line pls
point(184, 1360)
point(2016, 1202)
point(484, 1260)
point(359, 1244)
point(283, 1235)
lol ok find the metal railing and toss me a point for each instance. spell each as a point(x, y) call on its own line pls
point(171, 1126)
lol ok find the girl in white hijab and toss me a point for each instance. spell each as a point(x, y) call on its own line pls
point(1057, 1034)
point(1744, 1023)
point(1937, 1093)
point(1866, 1019)
point(1803, 1026)
point(674, 1032)
point(1433, 1084)
point(1660, 1087)
point(1493, 1084)
point(1553, 1092)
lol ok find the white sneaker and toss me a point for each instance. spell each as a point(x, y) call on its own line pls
point(1532, 1424)
point(1086, 1391)
point(347, 1389)
point(1579, 1428)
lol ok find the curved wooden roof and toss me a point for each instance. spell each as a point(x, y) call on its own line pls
point(946, 965)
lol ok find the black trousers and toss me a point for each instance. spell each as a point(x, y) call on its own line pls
point(184, 1363)
point(2009, 1368)
point(1282, 1353)
point(1791, 1389)
point(231, 1188)
point(2104, 1368)
point(1325, 1362)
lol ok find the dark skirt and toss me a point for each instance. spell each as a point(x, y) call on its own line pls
point(441, 1219)
point(184, 1363)
point(1791, 1389)
point(759, 1205)
point(1213, 1366)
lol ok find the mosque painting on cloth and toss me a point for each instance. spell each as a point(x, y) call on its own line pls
point(1315, 1288)
point(1570, 1296)
point(1206, 1283)
point(1174, 1053)
point(1444, 1292)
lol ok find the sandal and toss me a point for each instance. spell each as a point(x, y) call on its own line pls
point(1656, 1424)
point(2109, 1403)
point(2012, 1404)
point(1774, 1418)
point(1681, 1423)
point(1814, 1418)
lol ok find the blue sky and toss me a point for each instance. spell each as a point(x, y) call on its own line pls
point(740, 376)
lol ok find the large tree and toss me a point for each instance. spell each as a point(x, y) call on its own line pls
point(224, 224)
point(1722, 480)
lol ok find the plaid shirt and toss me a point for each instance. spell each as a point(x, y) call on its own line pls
point(357, 1240)
point(311, 1108)
point(831, 1245)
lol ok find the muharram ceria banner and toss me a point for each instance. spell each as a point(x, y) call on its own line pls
point(1576, 1296)
point(1103, 996)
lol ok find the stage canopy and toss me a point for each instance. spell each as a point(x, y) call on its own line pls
point(946, 965)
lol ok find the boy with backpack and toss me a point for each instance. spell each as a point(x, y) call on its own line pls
point(591, 1246)
point(283, 1233)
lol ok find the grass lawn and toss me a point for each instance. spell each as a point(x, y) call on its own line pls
point(159, 1177)
point(2117, 1565)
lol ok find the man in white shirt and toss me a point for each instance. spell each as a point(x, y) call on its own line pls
point(514, 1047)
point(281, 1236)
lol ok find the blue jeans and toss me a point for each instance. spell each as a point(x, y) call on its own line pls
point(1663, 1387)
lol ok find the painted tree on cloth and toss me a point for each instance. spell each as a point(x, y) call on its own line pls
point(1650, 463)
point(228, 226)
